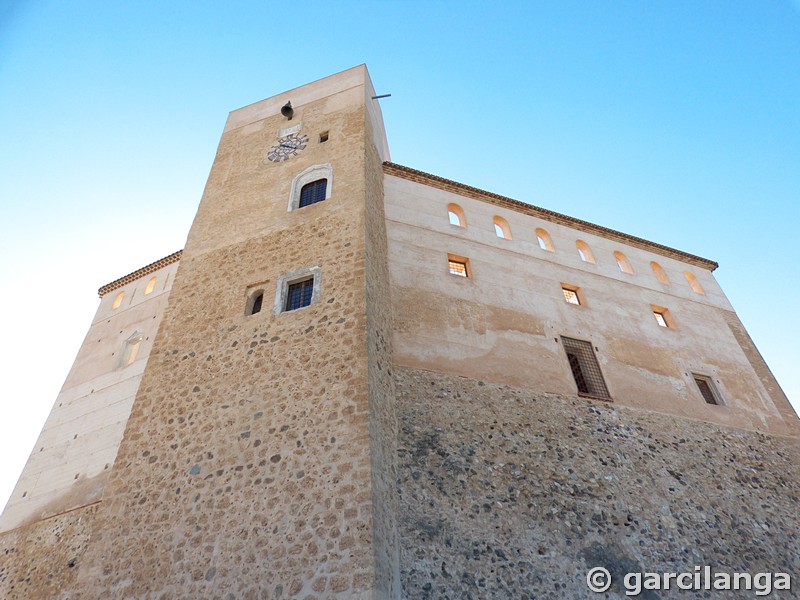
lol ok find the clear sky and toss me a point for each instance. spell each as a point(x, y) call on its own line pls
point(676, 121)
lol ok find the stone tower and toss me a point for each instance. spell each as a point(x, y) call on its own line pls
point(256, 461)
point(360, 380)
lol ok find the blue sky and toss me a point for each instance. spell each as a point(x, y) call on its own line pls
point(674, 121)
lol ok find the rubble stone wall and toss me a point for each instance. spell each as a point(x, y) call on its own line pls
point(508, 493)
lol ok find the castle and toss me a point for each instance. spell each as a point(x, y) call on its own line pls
point(361, 380)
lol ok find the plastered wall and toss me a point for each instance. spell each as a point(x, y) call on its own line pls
point(70, 463)
point(504, 323)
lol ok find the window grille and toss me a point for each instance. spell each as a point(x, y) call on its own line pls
point(299, 294)
point(660, 319)
point(458, 268)
point(707, 389)
point(313, 192)
point(585, 368)
point(571, 296)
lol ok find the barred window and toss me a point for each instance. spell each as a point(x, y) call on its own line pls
point(707, 389)
point(299, 294)
point(458, 268)
point(585, 368)
point(313, 192)
point(571, 295)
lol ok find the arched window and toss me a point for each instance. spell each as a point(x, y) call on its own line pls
point(254, 302)
point(623, 262)
point(585, 252)
point(696, 287)
point(130, 349)
point(148, 289)
point(501, 228)
point(660, 273)
point(313, 192)
point(311, 186)
point(118, 300)
point(545, 241)
point(456, 215)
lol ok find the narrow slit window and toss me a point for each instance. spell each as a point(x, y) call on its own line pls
point(623, 263)
point(707, 389)
point(545, 241)
point(456, 215)
point(313, 192)
point(501, 228)
point(299, 294)
point(585, 252)
point(585, 368)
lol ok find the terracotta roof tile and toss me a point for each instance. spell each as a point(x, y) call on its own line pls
point(151, 268)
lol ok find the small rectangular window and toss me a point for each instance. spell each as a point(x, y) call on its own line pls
point(458, 268)
point(707, 389)
point(323, 137)
point(585, 368)
point(299, 294)
point(571, 295)
point(662, 316)
point(458, 265)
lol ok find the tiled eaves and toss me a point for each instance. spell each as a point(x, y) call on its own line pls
point(151, 268)
point(471, 192)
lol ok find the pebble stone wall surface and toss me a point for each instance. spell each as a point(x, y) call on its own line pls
point(260, 447)
point(228, 483)
point(40, 560)
point(245, 468)
point(506, 493)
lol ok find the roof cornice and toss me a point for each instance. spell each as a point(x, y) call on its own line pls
point(151, 268)
point(471, 192)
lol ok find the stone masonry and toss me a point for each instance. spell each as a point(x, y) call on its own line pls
point(509, 493)
point(412, 432)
